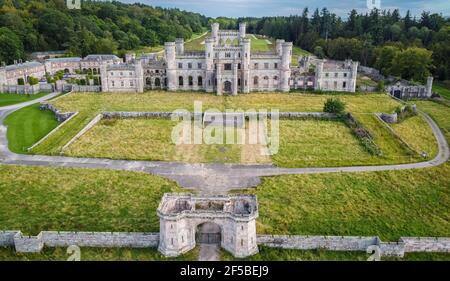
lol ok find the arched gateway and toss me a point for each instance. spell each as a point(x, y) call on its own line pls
point(183, 215)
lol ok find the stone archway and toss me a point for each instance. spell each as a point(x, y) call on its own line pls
point(208, 233)
point(227, 87)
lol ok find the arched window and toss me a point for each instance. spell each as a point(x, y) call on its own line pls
point(148, 81)
point(255, 80)
point(235, 43)
point(95, 71)
point(191, 81)
point(180, 81)
point(228, 42)
point(200, 81)
point(275, 80)
point(157, 82)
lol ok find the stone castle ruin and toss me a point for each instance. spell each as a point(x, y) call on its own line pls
point(187, 219)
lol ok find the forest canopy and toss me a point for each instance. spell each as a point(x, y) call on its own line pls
point(384, 39)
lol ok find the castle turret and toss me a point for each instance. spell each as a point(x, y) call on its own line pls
point(429, 86)
point(286, 58)
point(209, 55)
point(169, 48)
point(215, 32)
point(179, 42)
point(279, 48)
point(245, 66)
point(242, 27)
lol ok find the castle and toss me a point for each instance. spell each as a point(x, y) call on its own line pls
point(227, 66)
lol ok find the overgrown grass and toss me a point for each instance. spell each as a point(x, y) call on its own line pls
point(442, 89)
point(96, 254)
point(9, 99)
point(33, 199)
point(28, 125)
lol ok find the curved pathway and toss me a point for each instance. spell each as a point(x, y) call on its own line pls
point(207, 178)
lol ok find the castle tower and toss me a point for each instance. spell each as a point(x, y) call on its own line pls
point(2, 78)
point(354, 76)
point(209, 55)
point(169, 52)
point(286, 58)
point(318, 78)
point(104, 76)
point(139, 70)
point(429, 86)
point(245, 66)
point(215, 32)
point(179, 46)
point(242, 27)
point(279, 48)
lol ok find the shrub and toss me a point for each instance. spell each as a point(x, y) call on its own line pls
point(334, 106)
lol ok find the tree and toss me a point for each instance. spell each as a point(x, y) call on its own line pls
point(334, 106)
point(11, 47)
point(413, 63)
point(384, 58)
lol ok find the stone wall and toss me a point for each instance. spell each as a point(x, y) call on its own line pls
point(7, 238)
point(354, 243)
point(100, 239)
point(28, 244)
point(60, 116)
point(86, 88)
point(84, 130)
point(27, 89)
point(334, 243)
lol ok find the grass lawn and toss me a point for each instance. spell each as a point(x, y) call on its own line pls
point(150, 139)
point(28, 125)
point(442, 89)
point(96, 254)
point(9, 99)
point(389, 203)
point(33, 199)
point(318, 143)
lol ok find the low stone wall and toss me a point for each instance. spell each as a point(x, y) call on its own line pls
point(7, 238)
point(388, 118)
point(100, 239)
point(27, 89)
point(333, 243)
point(60, 116)
point(85, 88)
point(284, 115)
point(426, 244)
point(28, 244)
point(354, 243)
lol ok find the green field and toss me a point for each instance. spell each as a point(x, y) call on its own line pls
point(27, 126)
point(9, 99)
point(442, 89)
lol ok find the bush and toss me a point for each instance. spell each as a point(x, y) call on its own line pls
point(334, 106)
point(380, 86)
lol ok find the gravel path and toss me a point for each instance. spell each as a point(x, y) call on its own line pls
point(206, 178)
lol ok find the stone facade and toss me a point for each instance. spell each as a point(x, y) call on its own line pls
point(404, 90)
point(182, 214)
point(336, 76)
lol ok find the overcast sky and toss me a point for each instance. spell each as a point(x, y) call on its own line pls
point(258, 8)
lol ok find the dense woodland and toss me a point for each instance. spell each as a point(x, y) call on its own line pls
point(399, 45)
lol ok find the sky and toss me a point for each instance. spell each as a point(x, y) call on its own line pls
point(259, 8)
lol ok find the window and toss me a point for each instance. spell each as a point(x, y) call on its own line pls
point(345, 74)
point(228, 55)
point(256, 66)
point(190, 65)
point(121, 73)
point(227, 66)
point(327, 75)
point(266, 65)
point(180, 65)
point(239, 66)
point(112, 83)
point(200, 81)
point(336, 75)
point(239, 81)
point(190, 81)
point(335, 84)
point(255, 80)
point(344, 85)
point(122, 84)
point(157, 71)
point(180, 81)
point(199, 65)
point(131, 73)
point(275, 65)
point(131, 84)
